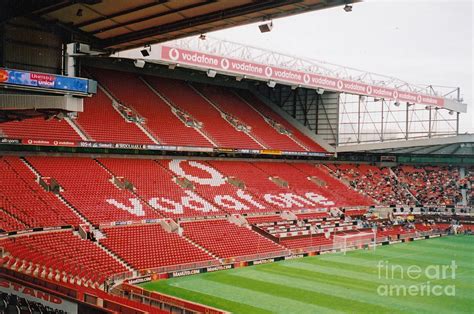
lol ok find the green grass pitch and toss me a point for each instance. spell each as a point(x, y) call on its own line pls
point(358, 282)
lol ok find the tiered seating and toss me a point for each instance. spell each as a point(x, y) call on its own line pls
point(60, 256)
point(391, 231)
point(268, 112)
point(149, 246)
point(422, 227)
point(334, 188)
point(27, 203)
point(154, 181)
point(225, 239)
point(375, 182)
point(39, 129)
point(104, 124)
point(431, 185)
point(221, 132)
point(313, 241)
point(88, 188)
point(160, 120)
point(232, 104)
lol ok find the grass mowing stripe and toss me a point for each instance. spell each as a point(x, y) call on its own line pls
point(335, 282)
point(266, 301)
point(355, 294)
point(198, 296)
point(333, 302)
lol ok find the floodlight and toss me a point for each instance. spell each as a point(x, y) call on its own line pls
point(271, 84)
point(139, 63)
point(265, 28)
point(211, 73)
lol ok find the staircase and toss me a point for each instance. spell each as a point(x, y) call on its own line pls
point(116, 257)
point(58, 195)
point(200, 247)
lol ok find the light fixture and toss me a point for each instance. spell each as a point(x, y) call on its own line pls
point(265, 28)
point(451, 112)
point(211, 73)
point(348, 8)
point(271, 84)
point(396, 104)
point(240, 78)
point(172, 66)
point(146, 51)
point(427, 107)
point(79, 12)
point(293, 87)
point(139, 63)
point(202, 37)
point(320, 91)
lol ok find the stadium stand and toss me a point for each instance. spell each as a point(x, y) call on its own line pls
point(60, 256)
point(25, 202)
point(149, 246)
point(225, 239)
point(39, 129)
point(431, 185)
point(103, 123)
point(88, 188)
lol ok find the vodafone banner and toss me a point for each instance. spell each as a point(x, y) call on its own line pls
point(290, 77)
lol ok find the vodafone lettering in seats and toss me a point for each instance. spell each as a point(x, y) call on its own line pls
point(240, 200)
point(290, 77)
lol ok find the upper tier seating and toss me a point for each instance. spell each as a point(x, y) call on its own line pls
point(268, 112)
point(88, 188)
point(237, 107)
point(162, 123)
point(60, 256)
point(225, 239)
point(220, 131)
point(26, 202)
point(104, 124)
point(149, 246)
point(39, 129)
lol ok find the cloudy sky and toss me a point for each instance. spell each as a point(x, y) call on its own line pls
point(419, 41)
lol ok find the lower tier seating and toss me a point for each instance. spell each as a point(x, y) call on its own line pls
point(149, 246)
point(60, 256)
point(226, 240)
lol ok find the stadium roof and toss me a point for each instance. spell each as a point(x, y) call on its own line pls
point(122, 24)
point(460, 145)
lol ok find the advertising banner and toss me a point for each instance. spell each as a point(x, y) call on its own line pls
point(43, 80)
point(291, 77)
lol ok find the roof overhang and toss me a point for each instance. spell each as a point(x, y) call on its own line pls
point(114, 25)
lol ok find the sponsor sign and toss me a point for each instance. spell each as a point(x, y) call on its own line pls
point(264, 261)
point(217, 268)
point(43, 81)
point(291, 77)
point(139, 280)
point(183, 273)
point(35, 295)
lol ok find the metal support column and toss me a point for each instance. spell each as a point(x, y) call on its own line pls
point(407, 122)
point(381, 120)
point(429, 123)
point(358, 120)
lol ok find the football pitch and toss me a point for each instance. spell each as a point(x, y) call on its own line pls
point(426, 276)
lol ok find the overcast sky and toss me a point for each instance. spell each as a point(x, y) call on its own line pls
point(419, 41)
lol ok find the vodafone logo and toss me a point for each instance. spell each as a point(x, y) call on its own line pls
point(368, 89)
point(174, 54)
point(3, 76)
point(418, 99)
point(225, 64)
point(306, 78)
point(340, 84)
point(30, 141)
point(395, 94)
point(268, 71)
point(55, 143)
